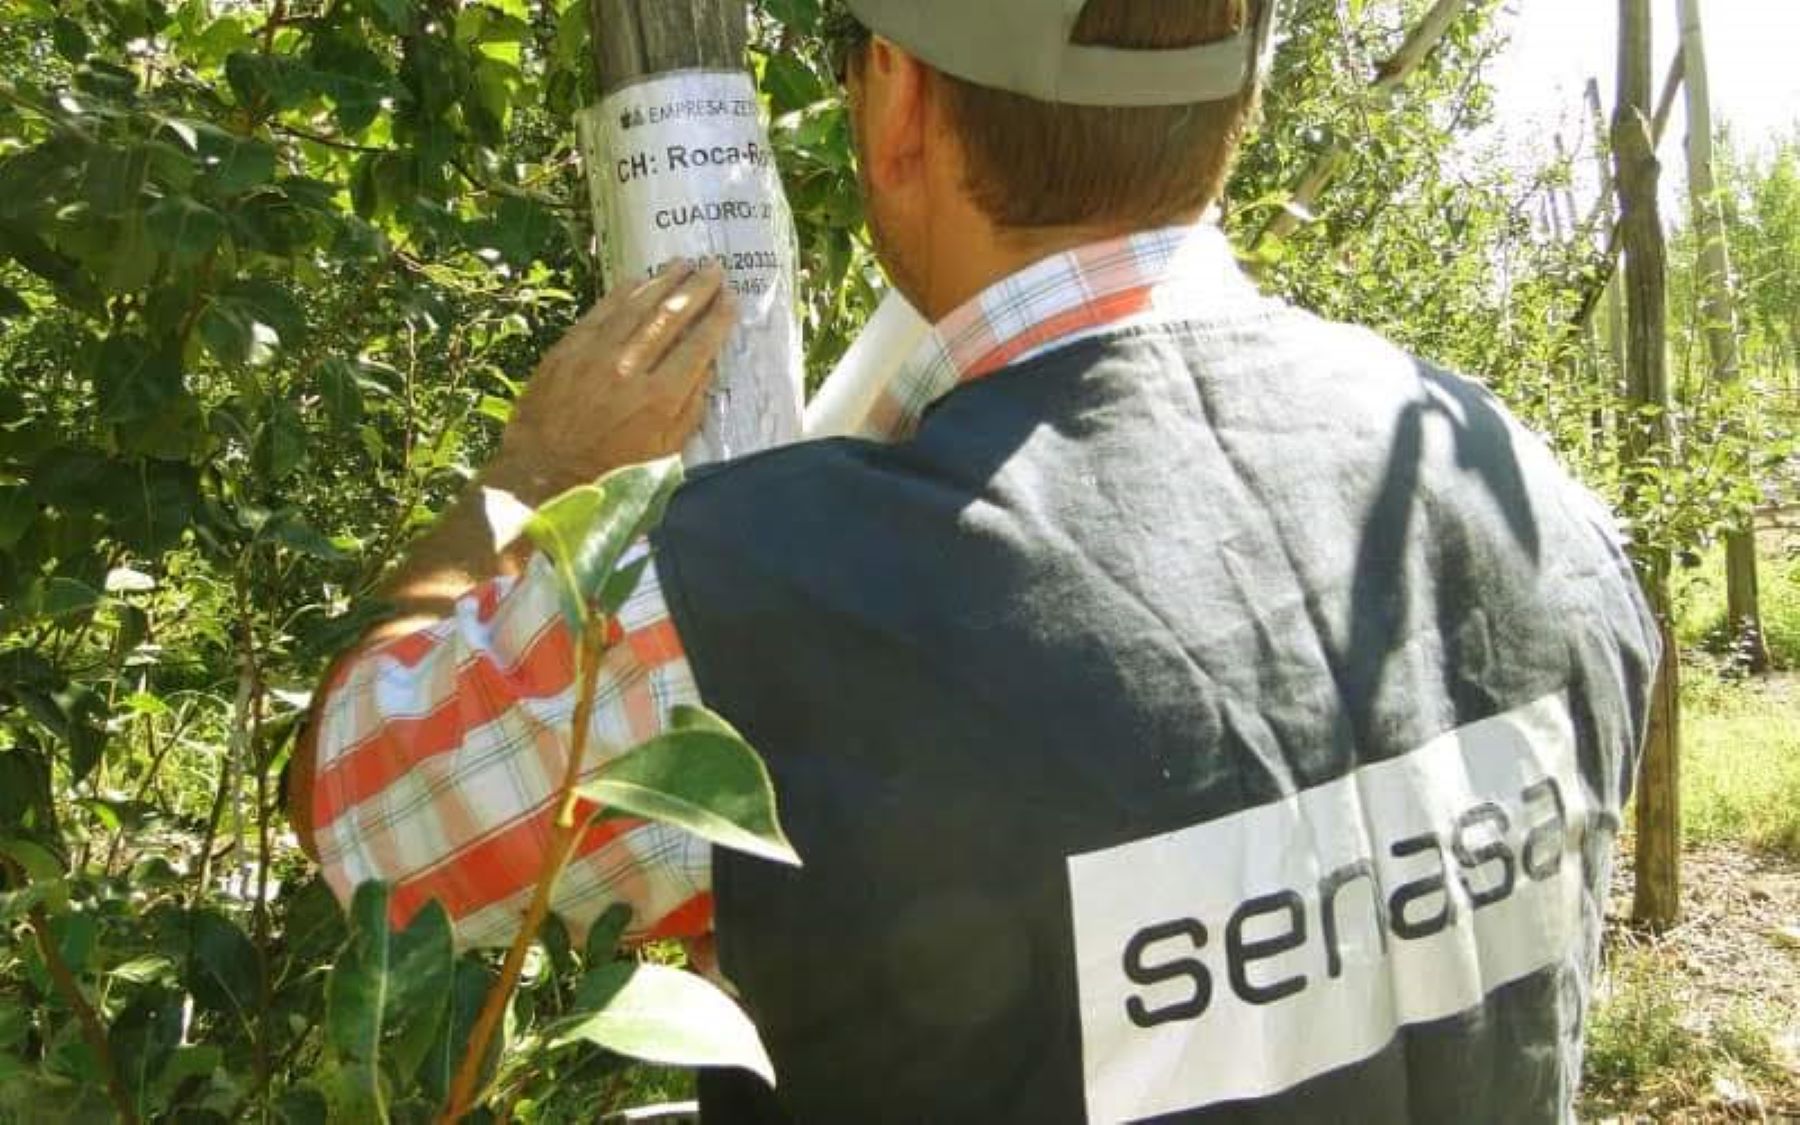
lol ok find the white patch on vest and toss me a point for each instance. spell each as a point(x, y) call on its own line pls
point(1241, 957)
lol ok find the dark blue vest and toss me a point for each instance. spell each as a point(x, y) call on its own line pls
point(1219, 722)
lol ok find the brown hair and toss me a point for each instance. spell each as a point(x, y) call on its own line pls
point(1035, 164)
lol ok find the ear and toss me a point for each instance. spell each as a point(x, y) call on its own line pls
point(894, 88)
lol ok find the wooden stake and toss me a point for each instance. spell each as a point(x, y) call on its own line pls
point(636, 38)
point(1719, 309)
point(1648, 441)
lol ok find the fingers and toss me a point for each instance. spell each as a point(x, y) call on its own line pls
point(698, 348)
point(667, 321)
point(650, 290)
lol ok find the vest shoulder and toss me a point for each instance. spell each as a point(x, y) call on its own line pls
point(775, 476)
point(779, 499)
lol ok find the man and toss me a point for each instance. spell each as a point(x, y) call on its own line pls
point(1186, 709)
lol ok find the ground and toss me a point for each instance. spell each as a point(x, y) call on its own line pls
point(1702, 1022)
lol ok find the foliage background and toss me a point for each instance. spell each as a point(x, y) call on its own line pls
point(270, 275)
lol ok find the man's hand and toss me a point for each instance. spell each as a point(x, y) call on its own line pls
point(626, 384)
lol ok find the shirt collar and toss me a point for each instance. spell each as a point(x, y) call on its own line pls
point(1151, 277)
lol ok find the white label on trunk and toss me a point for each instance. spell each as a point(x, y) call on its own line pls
point(1241, 957)
point(679, 166)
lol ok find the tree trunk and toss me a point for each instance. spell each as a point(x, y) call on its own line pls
point(635, 38)
point(1647, 444)
point(1743, 608)
point(676, 86)
point(1665, 106)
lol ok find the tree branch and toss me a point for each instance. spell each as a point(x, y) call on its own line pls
point(1389, 77)
point(299, 133)
point(568, 830)
point(511, 191)
point(1609, 265)
point(92, 1029)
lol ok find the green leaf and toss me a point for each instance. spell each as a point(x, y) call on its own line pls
point(186, 1064)
point(701, 776)
point(15, 1024)
point(235, 164)
point(302, 1105)
point(50, 599)
point(25, 795)
point(340, 392)
point(172, 167)
point(467, 994)
point(158, 506)
point(183, 226)
point(393, 16)
point(585, 530)
point(145, 970)
point(39, 177)
point(267, 302)
point(83, 727)
point(280, 445)
point(605, 934)
point(134, 380)
point(354, 1092)
point(106, 80)
point(388, 985)
point(70, 40)
point(799, 15)
point(115, 177)
point(288, 527)
point(523, 231)
point(247, 322)
point(621, 584)
point(790, 84)
point(62, 597)
point(18, 511)
point(145, 1038)
point(353, 77)
point(30, 250)
point(223, 972)
point(265, 82)
point(664, 1015)
point(39, 863)
point(227, 333)
point(131, 260)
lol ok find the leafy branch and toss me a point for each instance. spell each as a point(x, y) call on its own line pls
point(567, 837)
point(24, 863)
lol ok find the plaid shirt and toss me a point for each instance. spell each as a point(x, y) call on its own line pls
point(439, 753)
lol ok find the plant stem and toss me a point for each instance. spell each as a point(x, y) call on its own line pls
point(91, 1028)
point(566, 833)
point(258, 760)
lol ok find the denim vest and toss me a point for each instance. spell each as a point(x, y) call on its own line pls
point(1227, 721)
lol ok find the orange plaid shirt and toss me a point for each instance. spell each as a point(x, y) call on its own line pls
point(439, 753)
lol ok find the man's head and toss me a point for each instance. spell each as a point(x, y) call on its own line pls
point(1025, 126)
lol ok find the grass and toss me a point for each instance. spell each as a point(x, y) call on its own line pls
point(1636, 1036)
point(1740, 765)
point(1654, 1051)
point(1700, 592)
point(1645, 1052)
point(1741, 738)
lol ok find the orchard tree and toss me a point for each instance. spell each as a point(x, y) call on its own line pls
point(271, 272)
